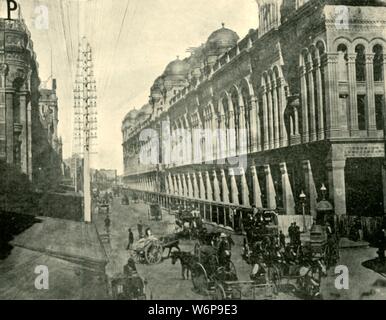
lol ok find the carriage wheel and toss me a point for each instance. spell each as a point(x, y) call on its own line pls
point(153, 253)
point(219, 293)
point(137, 257)
point(200, 279)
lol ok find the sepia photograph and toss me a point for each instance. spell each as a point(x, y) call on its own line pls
point(197, 151)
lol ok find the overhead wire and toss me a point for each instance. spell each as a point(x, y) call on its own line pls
point(110, 74)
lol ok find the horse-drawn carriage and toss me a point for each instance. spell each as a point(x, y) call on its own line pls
point(103, 207)
point(150, 250)
point(216, 276)
point(129, 287)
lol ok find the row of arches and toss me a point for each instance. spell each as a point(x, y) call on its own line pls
point(312, 88)
point(360, 55)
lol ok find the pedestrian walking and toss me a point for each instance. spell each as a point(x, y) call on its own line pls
point(291, 233)
point(131, 239)
point(107, 224)
point(140, 229)
point(282, 239)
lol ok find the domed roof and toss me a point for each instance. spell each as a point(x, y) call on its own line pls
point(131, 115)
point(177, 68)
point(324, 205)
point(147, 109)
point(223, 38)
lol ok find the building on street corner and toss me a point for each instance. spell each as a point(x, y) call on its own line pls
point(29, 139)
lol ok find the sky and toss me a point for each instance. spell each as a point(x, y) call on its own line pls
point(132, 42)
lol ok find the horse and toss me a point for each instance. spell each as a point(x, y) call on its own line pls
point(311, 277)
point(170, 242)
point(187, 261)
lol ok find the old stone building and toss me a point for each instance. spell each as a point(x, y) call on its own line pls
point(296, 104)
point(28, 139)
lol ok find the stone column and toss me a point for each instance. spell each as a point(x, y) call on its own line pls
point(171, 185)
point(265, 119)
point(310, 188)
point(209, 191)
point(384, 89)
point(330, 61)
point(9, 121)
point(304, 100)
point(190, 187)
point(234, 189)
point(24, 133)
point(288, 197)
point(245, 189)
point(185, 186)
point(214, 131)
point(223, 138)
point(167, 188)
point(276, 117)
point(270, 188)
point(336, 180)
point(371, 120)
point(256, 188)
point(270, 117)
point(384, 186)
point(195, 187)
point(255, 142)
point(319, 99)
point(188, 141)
point(352, 87)
point(311, 99)
point(243, 135)
point(202, 186)
point(3, 120)
point(216, 188)
point(224, 185)
point(282, 107)
point(176, 189)
point(231, 133)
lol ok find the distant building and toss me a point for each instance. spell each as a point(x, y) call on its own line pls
point(104, 177)
point(28, 116)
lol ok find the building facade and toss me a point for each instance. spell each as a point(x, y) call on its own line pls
point(26, 142)
point(296, 104)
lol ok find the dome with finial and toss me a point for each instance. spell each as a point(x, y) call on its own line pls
point(177, 69)
point(222, 40)
point(146, 110)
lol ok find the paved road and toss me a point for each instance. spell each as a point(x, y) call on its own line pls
point(165, 281)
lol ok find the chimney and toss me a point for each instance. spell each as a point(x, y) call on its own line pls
point(54, 84)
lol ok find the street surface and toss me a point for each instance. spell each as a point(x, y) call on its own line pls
point(165, 280)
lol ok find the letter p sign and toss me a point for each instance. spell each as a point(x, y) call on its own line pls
point(11, 6)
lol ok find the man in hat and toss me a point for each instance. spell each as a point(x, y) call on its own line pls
point(224, 251)
point(131, 239)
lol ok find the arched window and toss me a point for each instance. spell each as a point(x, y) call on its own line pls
point(342, 63)
point(378, 62)
point(360, 63)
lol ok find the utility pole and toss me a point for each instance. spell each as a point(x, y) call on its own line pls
point(85, 118)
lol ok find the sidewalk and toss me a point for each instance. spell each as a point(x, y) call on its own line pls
point(71, 251)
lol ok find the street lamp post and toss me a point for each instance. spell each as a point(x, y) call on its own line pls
point(323, 189)
point(302, 198)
